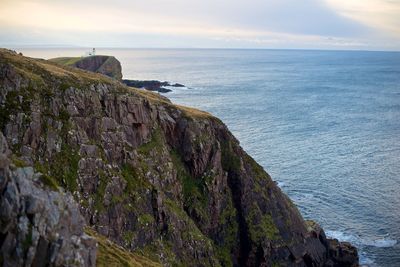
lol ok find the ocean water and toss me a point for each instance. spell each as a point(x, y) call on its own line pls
point(324, 124)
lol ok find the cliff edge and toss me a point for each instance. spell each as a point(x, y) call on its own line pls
point(107, 65)
point(166, 182)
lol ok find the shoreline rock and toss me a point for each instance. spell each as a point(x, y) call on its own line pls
point(152, 85)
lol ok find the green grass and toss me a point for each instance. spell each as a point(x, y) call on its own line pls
point(257, 169)
point(128, 236)
point(155, 143)
point(229, 160)
point(65, 167)
point(68, 61)
point(229, 229)
point(261, 226)
point(49, 181)
point(28, 241)
point(224, 256)
point(194, 189)
point(134, 182)
point(161, 248)
point(103, 180)
point(61, 170)
point(194, 113)
point(15, 102)
point(18, 162)
point(146, 219)
point(111, 255)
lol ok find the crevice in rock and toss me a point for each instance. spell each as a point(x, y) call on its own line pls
point(260, 259)
point(2, 238)
point(244, 242)
point(159, 215)
point(308, 260)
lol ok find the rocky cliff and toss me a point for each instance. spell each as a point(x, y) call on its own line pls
point(39, 227)
point(107, 65)
point(166, 182)
point(111, 67)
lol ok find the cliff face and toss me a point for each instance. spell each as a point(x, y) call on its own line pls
point(168, 182)
point(106, 65)
point(39, 227)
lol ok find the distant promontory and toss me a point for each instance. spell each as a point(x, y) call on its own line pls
point(111, 67)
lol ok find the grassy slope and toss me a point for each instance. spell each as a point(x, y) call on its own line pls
point(112, 255)
point(37, 68)
point(67, 61)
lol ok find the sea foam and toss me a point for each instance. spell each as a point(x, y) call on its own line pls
point(380, 242)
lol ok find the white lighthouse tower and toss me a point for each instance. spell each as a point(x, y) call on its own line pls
point(90, 53)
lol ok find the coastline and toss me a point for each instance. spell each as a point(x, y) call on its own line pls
point(255, 217)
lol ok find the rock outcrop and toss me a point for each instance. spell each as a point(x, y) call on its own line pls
point(156, 86)
point(166, 181)
point(38, 226)
point(106, 65)
point(111, 67)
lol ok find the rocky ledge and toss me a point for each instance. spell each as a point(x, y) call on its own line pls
point(153, 85)
point(156, 182)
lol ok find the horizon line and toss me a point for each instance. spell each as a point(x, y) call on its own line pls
point(191, 48)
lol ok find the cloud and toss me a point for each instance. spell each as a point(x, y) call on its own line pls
point(206, 22)
point(379, 14)
point(308, 17)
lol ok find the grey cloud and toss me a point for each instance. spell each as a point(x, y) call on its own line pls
point(290, 16)
point(295, 17)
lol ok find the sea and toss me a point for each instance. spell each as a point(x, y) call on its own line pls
point(324, 124)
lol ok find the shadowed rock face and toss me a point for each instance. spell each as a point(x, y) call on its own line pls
point(107, 65)
point(169, 181)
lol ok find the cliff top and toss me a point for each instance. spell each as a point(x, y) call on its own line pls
point(67, 61)
point(107, 65)
point(39, 70)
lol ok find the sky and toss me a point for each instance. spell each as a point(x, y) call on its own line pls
point(293, 24)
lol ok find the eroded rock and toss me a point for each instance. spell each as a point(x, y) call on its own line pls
point(38, 226)
point(169, 181)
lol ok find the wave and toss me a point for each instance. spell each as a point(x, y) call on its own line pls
point(280, 184)
point(301, 197)
point(366, 261)
point(379, 242)
point(359, 242)
point(176, 89)
point(382, 243)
